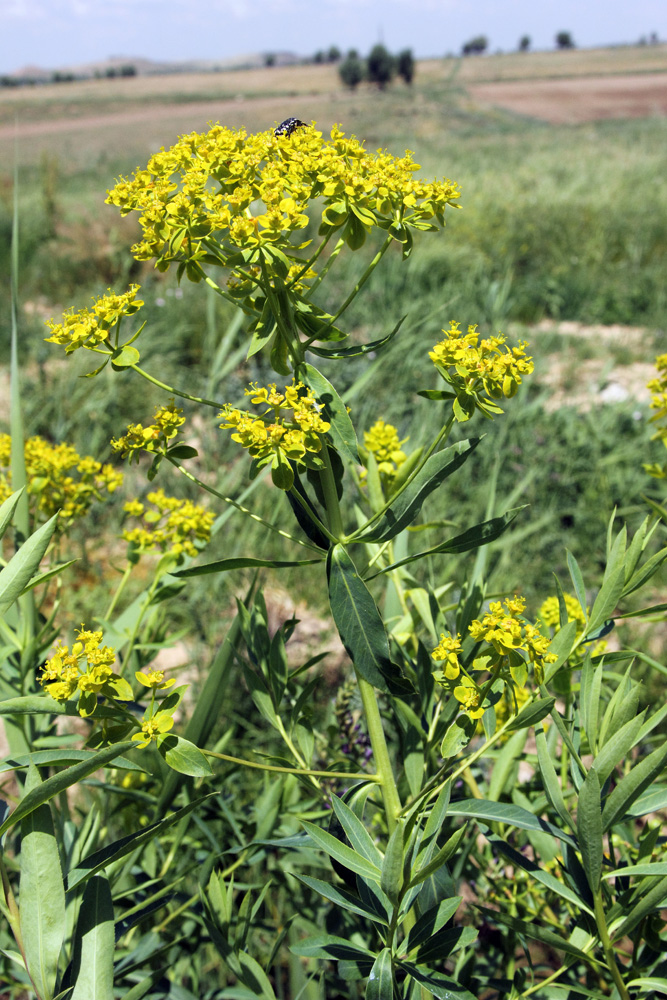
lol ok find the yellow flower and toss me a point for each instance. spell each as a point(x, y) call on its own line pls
point(170, 525)
point(151, 728)
point(154, 679)
point(447, 652)
point(155, 438)
point(91, 327)
point(469, 696)
point(479, 372)
point(87, 668)
point(289, 429)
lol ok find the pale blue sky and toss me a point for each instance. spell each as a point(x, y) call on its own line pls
point(55, 33)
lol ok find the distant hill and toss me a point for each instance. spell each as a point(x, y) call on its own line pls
point(115, 65)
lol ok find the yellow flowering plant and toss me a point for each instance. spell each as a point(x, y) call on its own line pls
point(412, 778)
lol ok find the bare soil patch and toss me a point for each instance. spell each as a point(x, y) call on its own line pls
point(581, 99)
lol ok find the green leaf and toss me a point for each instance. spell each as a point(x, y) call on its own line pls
point(504, 764)
point(95, 862)
point(550, 779)
point(503, 812)
point(126, 357)
point(535, 932)
point(577, 581)
point(473, 538)
point(380, 985)
point(18, 572)
point(342, 431)
point(356, 349)
point(340, 852)
point(589, 828)
point(630, 787)
point(356, 832)
point(64, 779)
point(391, 881)
point(617, 747)
point(41, 895)
point(329, 946)
point(7, 509)
point(406, 505)
point(544, 877)
point(657, 869)
point(431, 922)
point(589, 702)
point(650, 902)
point(458, 735)
point(183, 756)
point(342, 898)
point(241, 562)
point(62, 758)
point(607, 599)
point(92, 962)
point(532, 714)
point(358, 620)
point(444, 942)
point(440, 986)
point(441, 858)
point(647, 983)
point(561, 646)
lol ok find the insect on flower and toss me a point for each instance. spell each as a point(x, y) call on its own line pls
point(288, 126)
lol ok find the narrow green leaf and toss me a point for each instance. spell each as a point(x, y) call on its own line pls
point(18, 572)
point(589, 828)
point(241, 562)
point(475, 537)
point(631, 786)
point(62, 758)
point(503, 812)
point(342, 431)
point(618, 747)
point(380, 985)
point(657, 869)
point(407, 504)
point(650, 902)
point(504, 763)
point(329, 946)
point(440, 858)
point(561, 646)
point(431, 922)
point(64, 779)
point(607, 598)
point(532, 714)
point(444, 942)
point(442, 987)
point(95, 862)
point(433, 826)
point(357, 619)
point(535, 932)
point(7, 509)
point(647, 983)
point(356, 832)
point(355, 862)
point(391, 881)
point(577, 582)
point(92, 962)
point(41, 895)
point(342, 898)
point(550, 779)
point(589, 702)
point(544, 877)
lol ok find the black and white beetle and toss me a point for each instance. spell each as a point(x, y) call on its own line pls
point(288, 126)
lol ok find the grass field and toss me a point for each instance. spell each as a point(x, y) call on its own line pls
point(560, 222)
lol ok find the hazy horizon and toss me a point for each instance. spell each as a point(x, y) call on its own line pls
point(58, 33)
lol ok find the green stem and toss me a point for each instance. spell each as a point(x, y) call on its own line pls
point(364, 278)
point(175, 392)
point(331, 504)
point(348, 775)
point(119, 590)
point(332, 257)
point(607, 947)
point(244, 510)
point(384, 772)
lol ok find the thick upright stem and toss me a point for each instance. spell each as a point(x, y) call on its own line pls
point(385, 774)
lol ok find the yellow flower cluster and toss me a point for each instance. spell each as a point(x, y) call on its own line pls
point(58, 478)
point(550, 615)
point(658, 389)
point(87, 669)
point(91, 327)
point(511, 640)
point(169, 525)
point(155, 438)
point(383, 443)
point(479, 371)
point(289, 429)
point(247, 190)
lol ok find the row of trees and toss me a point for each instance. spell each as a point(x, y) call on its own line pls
point(480, 43)
point(379, 67)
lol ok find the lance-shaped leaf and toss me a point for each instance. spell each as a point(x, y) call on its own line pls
point(485, 811)
point(405, 507)
point(356, 349)
point(18, 572)
point(342, 431)
point(630, 787)
point(340, 852)
point(42, 895)
point(380, 985)
point(358, 621)
point(64, 779)
point(92, 962)
point(440, 986)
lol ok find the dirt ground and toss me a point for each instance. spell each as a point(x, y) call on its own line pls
point(580, 99)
